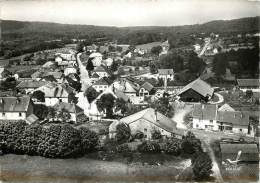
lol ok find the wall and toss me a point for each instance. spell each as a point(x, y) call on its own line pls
point(236, 129)
point(201, 124)
point(53, 101)
point(12, 116)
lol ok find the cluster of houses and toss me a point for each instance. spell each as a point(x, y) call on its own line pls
point(55, 80)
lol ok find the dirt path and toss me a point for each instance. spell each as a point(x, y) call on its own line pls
point(216, 172)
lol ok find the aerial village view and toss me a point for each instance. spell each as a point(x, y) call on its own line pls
point(83, 103)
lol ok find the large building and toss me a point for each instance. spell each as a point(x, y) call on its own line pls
point(196, 91)
point(15, 108)
point(249, 84)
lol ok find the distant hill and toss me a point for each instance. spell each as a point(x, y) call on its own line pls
point(18, 30)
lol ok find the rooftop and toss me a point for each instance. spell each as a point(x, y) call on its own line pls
point(234, 117)
point(14, 104)
point(248, 82)
point(205, 111)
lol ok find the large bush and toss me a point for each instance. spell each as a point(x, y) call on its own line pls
point(173, 147)
point(190, 144)
point(54, 141)
point(89, 140)
point(123, 133)
point(156, 134)
point(149, 147)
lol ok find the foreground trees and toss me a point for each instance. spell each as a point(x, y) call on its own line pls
point(54, 141)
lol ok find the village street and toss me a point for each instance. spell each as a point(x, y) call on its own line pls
point(83, 73)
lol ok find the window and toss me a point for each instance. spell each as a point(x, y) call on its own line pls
point(211, 121)
point(145, 129)
point(3, 114)
point(100, 86)
point(20, 114)
point(240, 129)
point(197, 126)
point(60, 100)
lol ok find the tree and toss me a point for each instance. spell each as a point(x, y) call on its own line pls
point(106, 104)
point(90, 66)
point(149, 147)
point(156, 134)
point(114, 66)
point(220, 64)
point(89, 140)
point(153, 68)
point(121, 104)
point(123, 133)
point(172, 61)
point(63, 115)
point(72, 98)
point(173, 147)
point(51, 114)
point(249, 93)
point(191, 144)
point(163, 106)
point(80, 47)
point(195, 64)
point(91, 94)
point(39, 95)
point(156, 50)
point(202, 166)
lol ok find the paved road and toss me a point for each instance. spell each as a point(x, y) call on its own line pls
point(220, 99)
point(84, 77)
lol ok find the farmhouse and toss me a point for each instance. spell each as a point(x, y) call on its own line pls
point(166, 74)
point(55, 93)
point(205, 116)
point(15, 108)
point(101, 85)
point(30, 85)
point(75, 111)
point(249, 84)
point(196, 91)
point(233, 121)
point(146, 122)
point(146, 89)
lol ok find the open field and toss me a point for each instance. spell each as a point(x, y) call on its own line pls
point(23, 168)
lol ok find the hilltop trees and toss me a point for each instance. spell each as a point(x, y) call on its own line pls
point(172, 61)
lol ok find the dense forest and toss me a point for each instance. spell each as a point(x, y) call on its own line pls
point(23, 37)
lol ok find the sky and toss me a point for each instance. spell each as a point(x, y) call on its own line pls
point(128, 12)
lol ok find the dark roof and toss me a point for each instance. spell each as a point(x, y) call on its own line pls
point(14, 104)
point(49, 78)
point(165, 71)
point(248, 82)
point(102, 81)
point(234, 117)
point(148, 86)
point(95, 75)
point(70, 107)
point(31, 84)
point(200, 87)
point(205, 111)
point(249, 151)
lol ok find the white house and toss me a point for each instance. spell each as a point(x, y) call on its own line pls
point(146, 122)
point(96, 58)
point(101, 85)
point(55, 93)
point(205, 116)
point(166, 74)
point(15, 108)
point(146, 89)
point(70, 70)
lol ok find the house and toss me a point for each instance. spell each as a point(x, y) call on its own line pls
point(94, 77)
point(101, 71)
point(75, 111)
point(167, 74)
point(146, 122)
point(249, 84)
point(15, 108)
point(59, 76)
point(233, 121)
point(70, 70)
point(128, 87)
point(101, 85)
point(30, 85)
point(96, 59)
point(226, 107)
point(146, 89)
point(205, 117)
point(4, 73)
point(249, 152)
point(196, 91)
point(55, 93)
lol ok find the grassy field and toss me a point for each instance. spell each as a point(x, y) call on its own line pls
point(23, 168)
